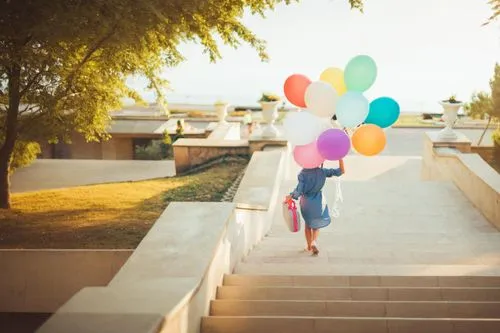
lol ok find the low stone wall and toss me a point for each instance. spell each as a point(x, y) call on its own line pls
point(42, 280)
point(170, 279)
point(189, 153)
point(479, 182)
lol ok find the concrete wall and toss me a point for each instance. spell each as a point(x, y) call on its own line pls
point(80, 149)
point(118, 148)
point(479, 182)
point(168, 282)
point(42, 280)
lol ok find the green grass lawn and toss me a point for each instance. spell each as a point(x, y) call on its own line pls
point(114, 216)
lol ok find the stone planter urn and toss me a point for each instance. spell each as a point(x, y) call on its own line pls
point(221, 109)
point(269, 114)
point(450, 111)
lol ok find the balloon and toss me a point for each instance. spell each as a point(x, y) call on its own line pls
point(360, 73)
point(333, 144)
point(321, 99)
point(352, 109)
point(307, 156)
point(302, 128)
point(384, 112)
point(369, 140)
point(295, 89)
point(335, 77)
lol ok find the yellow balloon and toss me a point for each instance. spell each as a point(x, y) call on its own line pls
point(335, 77)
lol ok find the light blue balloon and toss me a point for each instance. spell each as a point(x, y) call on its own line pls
point(384, 112)
point(360, 73)
point(352, 109)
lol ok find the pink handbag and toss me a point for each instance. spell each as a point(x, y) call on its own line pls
point(291, 216)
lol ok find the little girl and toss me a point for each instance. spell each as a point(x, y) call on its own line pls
point(309, 189)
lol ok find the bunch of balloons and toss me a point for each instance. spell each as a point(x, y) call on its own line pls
point(337, 92)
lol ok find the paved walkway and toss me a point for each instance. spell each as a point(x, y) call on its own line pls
point(49, 174)
point(391, 223)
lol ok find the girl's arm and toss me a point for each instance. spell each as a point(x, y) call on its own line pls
point(299, 190)
point(335, 172)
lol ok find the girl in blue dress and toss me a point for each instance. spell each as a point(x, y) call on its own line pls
point(309, 190)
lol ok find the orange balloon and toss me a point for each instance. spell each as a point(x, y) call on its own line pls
point(295, 89)
point(369, 140)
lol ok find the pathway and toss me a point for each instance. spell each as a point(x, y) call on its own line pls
point(50, 174)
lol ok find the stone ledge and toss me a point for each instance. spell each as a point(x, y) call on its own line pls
point(259, 182)
point(210, 143)
point(480, 183)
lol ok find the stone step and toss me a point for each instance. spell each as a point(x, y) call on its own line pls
point(359, 293)
point(356, 309)
point(347, 324)
point(366, 258)
point(360, 281)
point(300, 268)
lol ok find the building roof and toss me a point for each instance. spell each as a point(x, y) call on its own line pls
point(135, 126)
point(146, 126)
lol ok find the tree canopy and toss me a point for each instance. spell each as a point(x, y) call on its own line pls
point(63, 63)
point(495, 7)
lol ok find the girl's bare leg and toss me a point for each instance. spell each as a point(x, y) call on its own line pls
point(309, 240)
point(314, 237)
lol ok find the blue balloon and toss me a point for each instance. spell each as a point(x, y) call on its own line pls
point(384, 112)
point(352, 109)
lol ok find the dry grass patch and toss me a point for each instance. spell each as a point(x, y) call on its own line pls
point(116, 215)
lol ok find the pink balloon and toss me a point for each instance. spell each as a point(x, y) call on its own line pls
point(308, 156)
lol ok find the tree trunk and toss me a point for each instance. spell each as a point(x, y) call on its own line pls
point(10, 127)
point(484, 132)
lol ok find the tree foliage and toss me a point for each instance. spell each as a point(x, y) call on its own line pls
point(495, 7)
point(487, 105)
point(63, 63)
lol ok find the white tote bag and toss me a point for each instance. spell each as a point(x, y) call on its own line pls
point(336, 202)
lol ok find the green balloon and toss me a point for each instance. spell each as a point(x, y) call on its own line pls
point(360, 73)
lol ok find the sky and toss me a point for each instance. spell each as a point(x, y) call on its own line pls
point(425, 51)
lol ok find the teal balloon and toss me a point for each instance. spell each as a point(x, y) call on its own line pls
point(384, 112)
point(360, 73)
point(352, 109)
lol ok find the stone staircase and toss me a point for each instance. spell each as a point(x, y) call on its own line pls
point(405, 256)
point(355, 304)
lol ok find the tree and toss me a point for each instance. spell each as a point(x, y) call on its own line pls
point(63, 63)
point(495, 7)
point(486, 105)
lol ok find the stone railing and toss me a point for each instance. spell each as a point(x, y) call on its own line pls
point(169, 280)
point(479, 182)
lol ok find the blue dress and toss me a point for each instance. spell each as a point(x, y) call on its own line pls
point(311, 182)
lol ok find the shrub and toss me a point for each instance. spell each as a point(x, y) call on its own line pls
point(156, 150)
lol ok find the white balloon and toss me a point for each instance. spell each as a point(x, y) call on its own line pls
point(321, 99)
point(352, 109)
point(302, 128)
point(326, 124)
